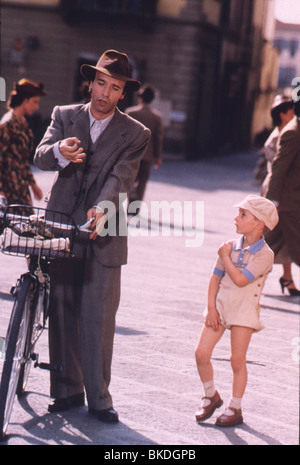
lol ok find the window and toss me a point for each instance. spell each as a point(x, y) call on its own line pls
point(283, 44)
point(294, 45)
point(286, 75)
point(140, 7)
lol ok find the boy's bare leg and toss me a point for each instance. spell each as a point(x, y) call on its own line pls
point(240, 339)
point(207, 341)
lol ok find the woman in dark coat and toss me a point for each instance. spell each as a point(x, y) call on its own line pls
point(17, 144)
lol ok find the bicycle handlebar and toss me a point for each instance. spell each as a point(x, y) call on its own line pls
point(57, 225)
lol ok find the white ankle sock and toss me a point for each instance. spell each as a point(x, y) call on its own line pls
point(235, 402)
point(209, 391)
point(209, 388)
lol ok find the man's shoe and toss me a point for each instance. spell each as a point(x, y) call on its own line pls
point(206, 412)
point(230, 419)
point(61, 405)
point(107, 415)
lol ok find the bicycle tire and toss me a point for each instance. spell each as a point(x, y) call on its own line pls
point(15, 346)
point(38, 317)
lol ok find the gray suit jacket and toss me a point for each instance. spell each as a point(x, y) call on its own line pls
point(115, 162)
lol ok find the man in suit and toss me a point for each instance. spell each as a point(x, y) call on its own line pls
point(96, 150)
point(284, 188)
point(152, 119)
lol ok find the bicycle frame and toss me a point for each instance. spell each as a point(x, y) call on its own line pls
point(31, 293)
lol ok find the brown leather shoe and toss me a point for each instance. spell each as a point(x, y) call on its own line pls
point(230, 420)
point(206, 412)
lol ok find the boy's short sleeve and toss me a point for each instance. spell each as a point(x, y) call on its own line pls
point(259, 264)
point(219, 269)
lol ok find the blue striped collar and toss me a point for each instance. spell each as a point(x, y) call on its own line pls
point(253, 248)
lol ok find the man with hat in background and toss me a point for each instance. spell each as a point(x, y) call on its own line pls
point(96, 150)
point(152, 119)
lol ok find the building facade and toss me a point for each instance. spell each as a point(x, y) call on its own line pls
point(205, 58)
point(287, 42)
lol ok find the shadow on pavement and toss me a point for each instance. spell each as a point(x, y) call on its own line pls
point(75, 427)
point(233, 436)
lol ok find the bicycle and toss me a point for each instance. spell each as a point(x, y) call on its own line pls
point(41, 237)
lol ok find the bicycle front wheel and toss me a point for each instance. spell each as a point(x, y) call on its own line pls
point(15, 345)
point(38, 317)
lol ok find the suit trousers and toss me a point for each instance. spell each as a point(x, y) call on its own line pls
point(84, 299)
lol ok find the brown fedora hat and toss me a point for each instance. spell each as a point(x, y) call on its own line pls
point(113, 64)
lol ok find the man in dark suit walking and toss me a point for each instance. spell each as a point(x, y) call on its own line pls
point(96, 150)
point(152, 119)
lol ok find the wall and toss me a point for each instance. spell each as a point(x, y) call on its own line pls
point(167, 57)
point(266, 57)
point(205, 65)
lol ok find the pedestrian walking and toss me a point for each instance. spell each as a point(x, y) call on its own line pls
point(234, 291)
point(96, 150)
point(282, 113)
point(17, 144)
point(152, 119)
point(284, 188)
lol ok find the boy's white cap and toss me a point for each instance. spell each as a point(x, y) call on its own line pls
point(262, 208)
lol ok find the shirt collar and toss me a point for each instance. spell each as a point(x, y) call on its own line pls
point(101, 122)
point(253, 248)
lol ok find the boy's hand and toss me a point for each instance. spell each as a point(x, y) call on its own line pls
point(225, 249)
point(212, 320)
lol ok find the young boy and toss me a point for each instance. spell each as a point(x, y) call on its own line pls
point(234, 291)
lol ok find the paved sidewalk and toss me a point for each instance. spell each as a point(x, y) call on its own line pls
point(155, 385)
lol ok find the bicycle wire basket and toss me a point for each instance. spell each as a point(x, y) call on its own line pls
point(32, 231)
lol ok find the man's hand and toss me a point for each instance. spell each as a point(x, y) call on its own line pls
point(97, 225)
point(70, 149)
point(157, 163)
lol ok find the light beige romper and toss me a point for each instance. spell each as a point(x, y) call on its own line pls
point(239, 306)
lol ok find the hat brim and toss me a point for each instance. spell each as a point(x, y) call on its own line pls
point(89, 71)
point(239, 205)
